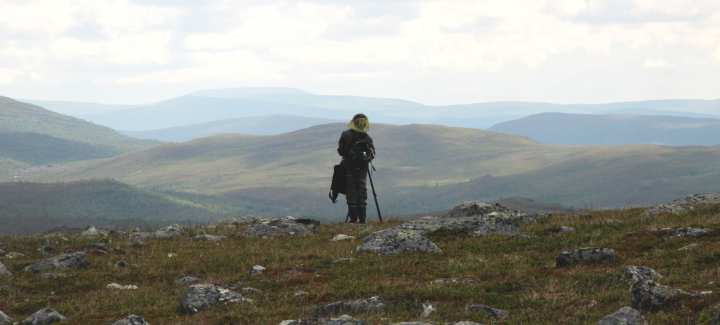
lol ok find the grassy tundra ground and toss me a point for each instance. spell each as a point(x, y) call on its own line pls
point(517, 274)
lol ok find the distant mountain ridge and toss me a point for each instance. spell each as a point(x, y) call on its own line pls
point(563, 128)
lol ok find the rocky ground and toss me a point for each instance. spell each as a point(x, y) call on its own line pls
point(478, 264)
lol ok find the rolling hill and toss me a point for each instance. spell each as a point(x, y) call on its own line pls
point(562, 128)
point(31, 135)
point(420, 168)
point(234, 103)
point(262, 125)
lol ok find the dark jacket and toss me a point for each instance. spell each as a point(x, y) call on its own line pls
point(347, 140)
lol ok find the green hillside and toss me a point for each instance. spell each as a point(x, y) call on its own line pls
point(421, 168)
point(29, 123)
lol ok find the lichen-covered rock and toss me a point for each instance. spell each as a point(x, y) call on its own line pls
point(187, 280)
point(257, 270)
point(641, 273)
point(132, 320)
point(585, 256)
point(203, 296)
point(490, 311)
point(652, 296)
point(65, 261)
point(359, 306)
point(4, 272)
point(624, 316)
point(477, 208)
point(5, 319)
point(395, 241)
point(280, 227)
point(477, 225)
point(342, 237)
point(44, 316)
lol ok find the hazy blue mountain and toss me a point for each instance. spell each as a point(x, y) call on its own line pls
point(262, 125)
point(561, 128)
point(76, 109)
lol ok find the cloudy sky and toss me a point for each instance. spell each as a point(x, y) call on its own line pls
point(135, 51)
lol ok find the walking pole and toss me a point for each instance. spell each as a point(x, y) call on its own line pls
point(372, 185)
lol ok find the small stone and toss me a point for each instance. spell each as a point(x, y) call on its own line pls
point(257, 270)
point(341, 237)
point(117, 286)
point(187, 280)
point(121, 264)
point(490, 311)
point(428, 309)
point(585, 256)
point(4, 272)
point(251, 291)
point(300, 293)
point(342, 320)
point(690, 232)
point(454, 281)
point(64, 261)
point(14, 255)
point(132, 320)
point(168, 232)
point(566, 229)
point(624, 316)
point(92, 232)
point(44, 317)
point(343, 260)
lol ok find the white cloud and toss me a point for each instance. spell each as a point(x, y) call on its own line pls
point(656, 63)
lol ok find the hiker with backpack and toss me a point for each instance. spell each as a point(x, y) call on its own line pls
point(357, 151)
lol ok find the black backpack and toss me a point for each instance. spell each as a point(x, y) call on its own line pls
point(362, 150)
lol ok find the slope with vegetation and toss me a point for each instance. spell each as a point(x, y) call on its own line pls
point(517, 277)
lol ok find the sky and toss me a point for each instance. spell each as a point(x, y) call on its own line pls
point(434, 52)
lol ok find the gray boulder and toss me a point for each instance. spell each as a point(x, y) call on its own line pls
point(689, 232)
point(187, 280)
point(395, 241)
point(132, 320)
point(477, 208)
point(5, 319)
point(4, 272)
point(359, 306)
point(203, 296)
point(280, 227)
point(652, 296)
point(684, 205)
point(585, 256)
point(487, 310)
point(624, 316)
point(477, 218)
point(641, 273)
point(65, 261)
point(43, 317)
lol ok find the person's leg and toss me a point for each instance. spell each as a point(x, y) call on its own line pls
point(352, 195)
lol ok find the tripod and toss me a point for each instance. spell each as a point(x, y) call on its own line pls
point(372, 185)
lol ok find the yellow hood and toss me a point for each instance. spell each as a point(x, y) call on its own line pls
point(360, 124)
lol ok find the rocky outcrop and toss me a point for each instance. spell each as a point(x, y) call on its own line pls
point(359, 306)
point(4, 272)
point(624, 316)
point(280, 227)
point(585, 256)
point(684, 205)
point(203, 296)
point(44, 316)
point(64, 261)
point(651, 296)
point(397, 240)
point(132, 320)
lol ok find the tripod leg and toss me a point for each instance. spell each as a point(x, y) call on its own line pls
point(377, 206)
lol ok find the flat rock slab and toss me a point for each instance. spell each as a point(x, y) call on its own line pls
point(203, 296)
point(586, 256)
point(624, 316)
point(359, 306)
point(4, 272)
point(43, 317)
point(487, 310)
point(65, 261)
point(132, 320)
point(394, 241)
point(280, 227)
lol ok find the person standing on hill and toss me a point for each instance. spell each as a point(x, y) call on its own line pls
point(357, 150)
